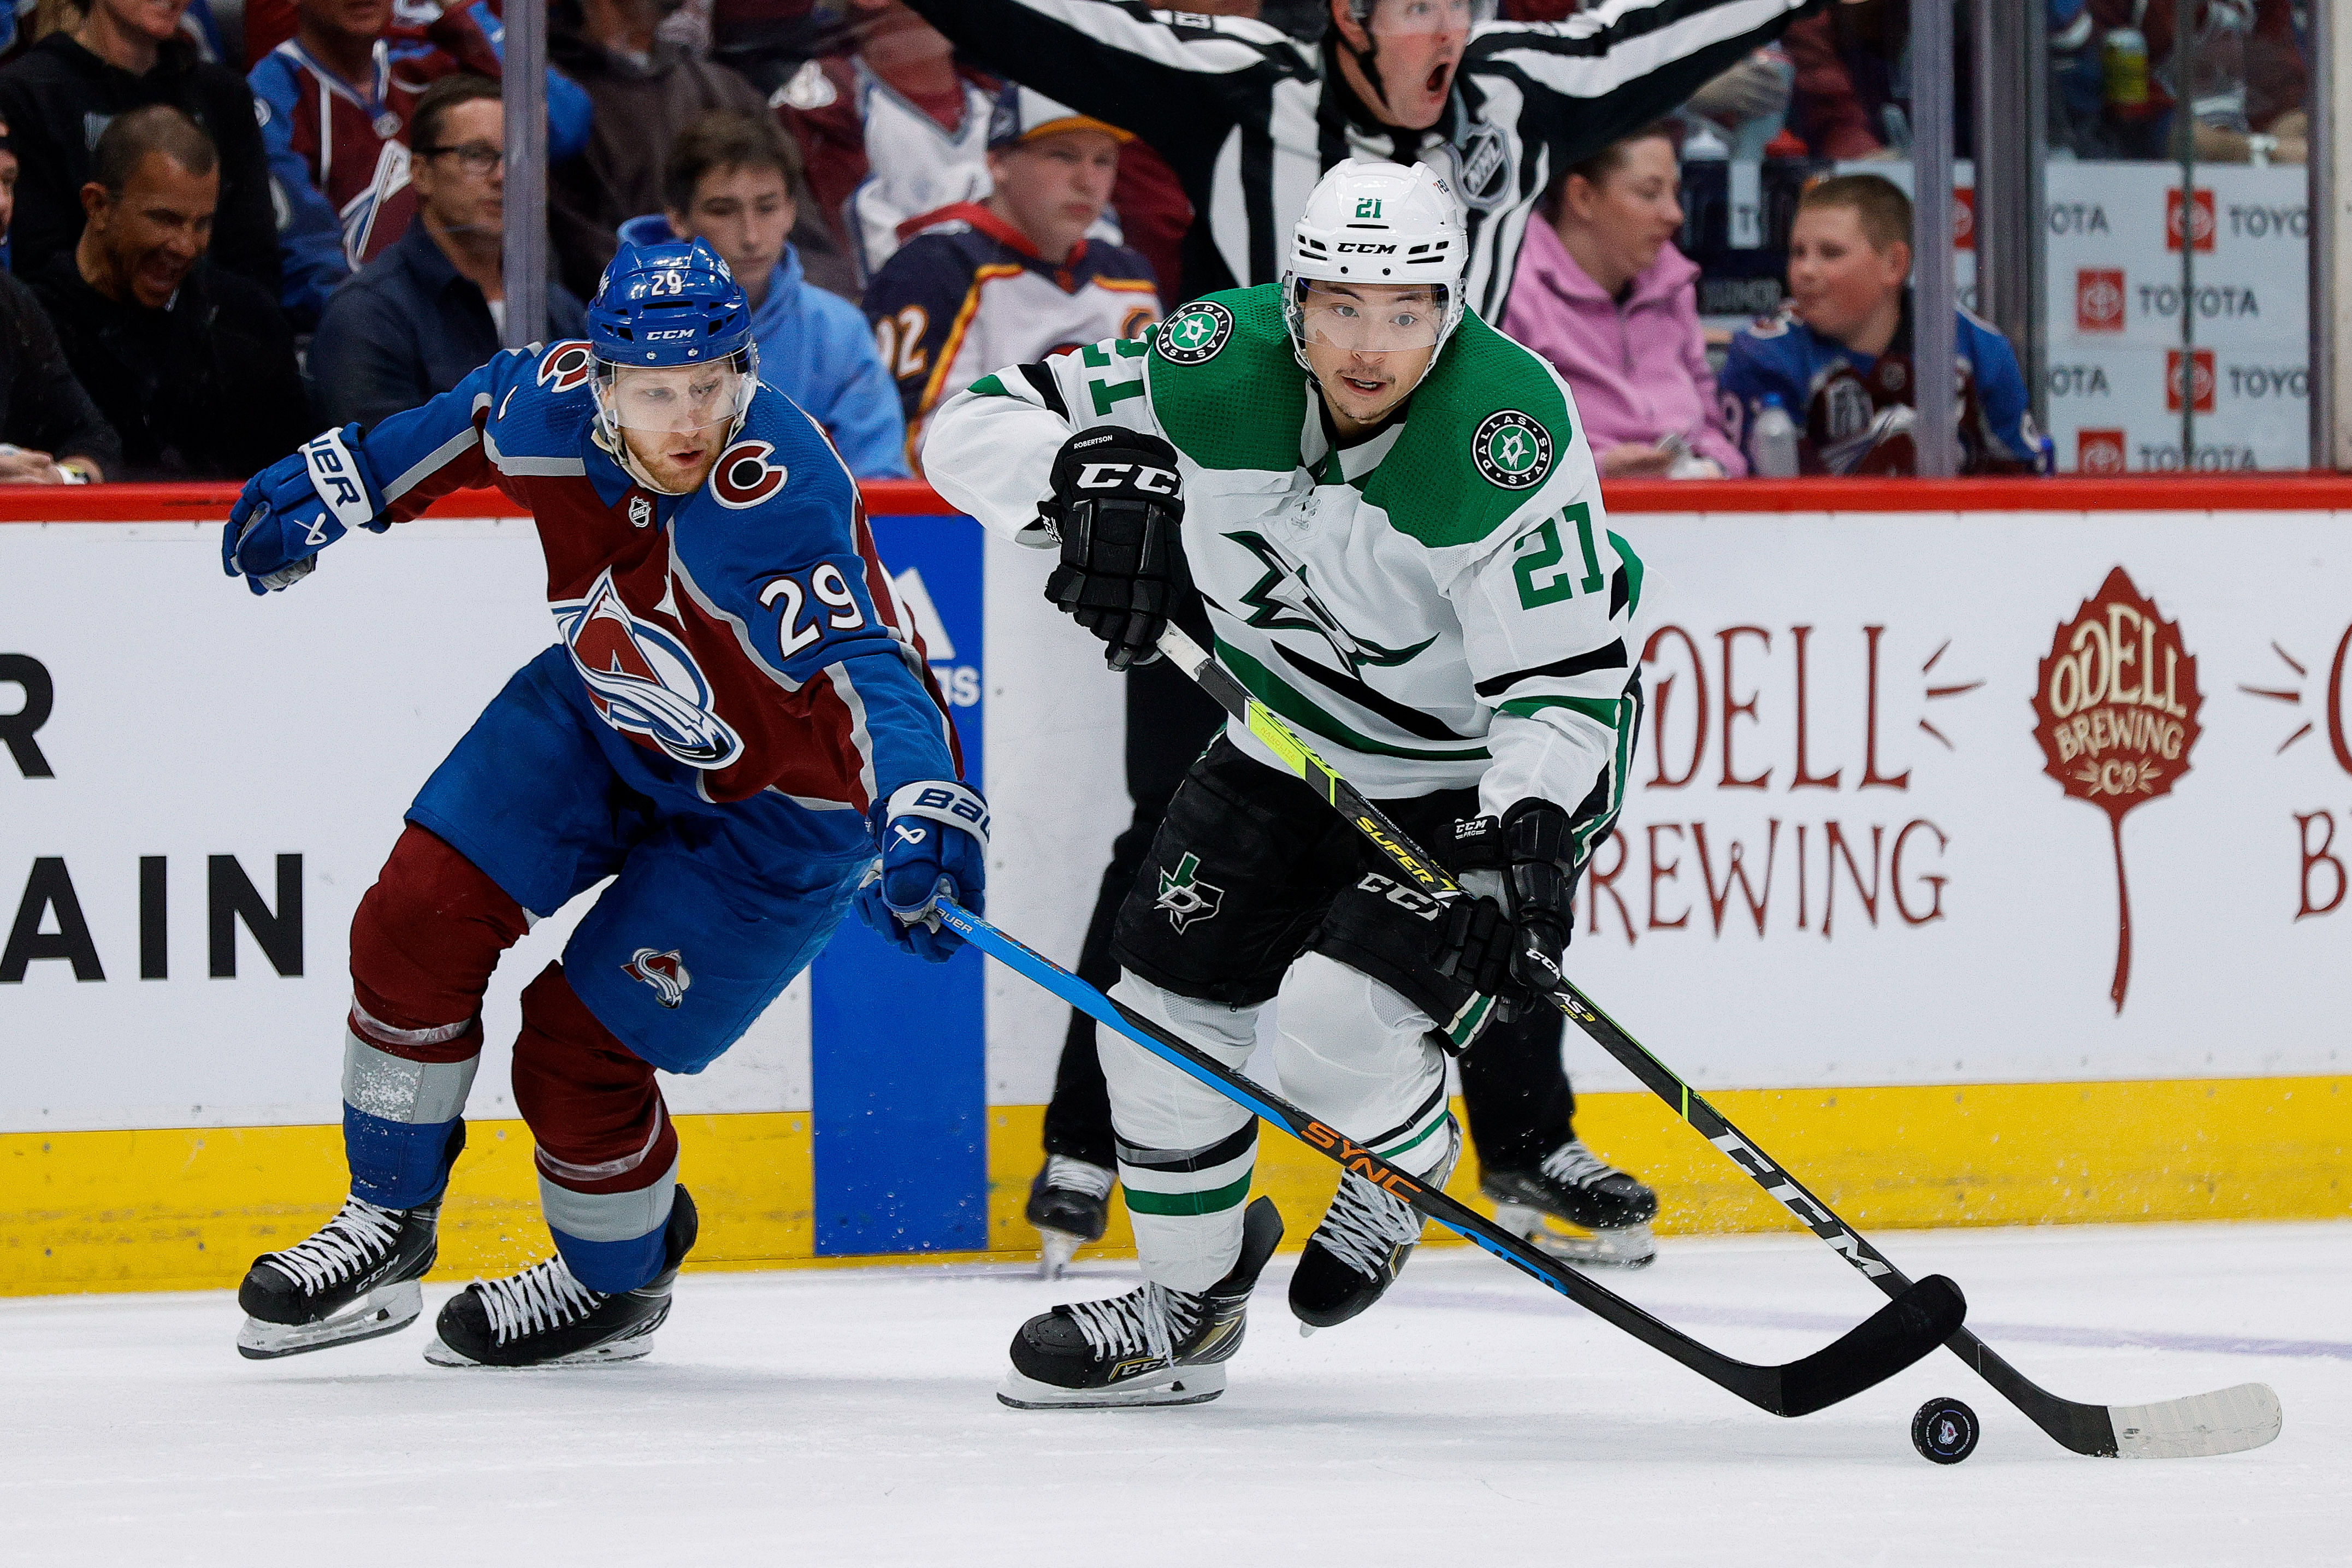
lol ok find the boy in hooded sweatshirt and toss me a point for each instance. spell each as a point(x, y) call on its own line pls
point(730, 181)
point(1603, 293)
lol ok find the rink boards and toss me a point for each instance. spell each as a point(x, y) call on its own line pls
point(1866, 884)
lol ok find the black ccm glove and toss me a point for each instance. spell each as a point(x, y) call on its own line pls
point(1118, 505)
point(1507, 939)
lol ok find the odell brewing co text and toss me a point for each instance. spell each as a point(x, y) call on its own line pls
point(2115, 712)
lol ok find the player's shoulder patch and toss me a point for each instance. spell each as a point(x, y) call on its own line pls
point(1196, 334)
point(1224, 382)
point(1488, 428)
point(563, 367)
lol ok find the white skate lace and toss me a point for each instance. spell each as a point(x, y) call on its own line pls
point(540, 1298)
point(1573, 1164)
point(1151, 1319)
point(355, 1240)
point(1364, 1225)
point(1077, 1175)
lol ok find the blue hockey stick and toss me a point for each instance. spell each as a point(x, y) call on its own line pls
point(1899, 1334)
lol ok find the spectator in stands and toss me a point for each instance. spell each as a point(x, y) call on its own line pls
point(418, 318)
point(339, 94)
point(730, 182)
point(982, 285)
point(1603, 293)
point(123, 55)
point(1838, 356)
point(2253, 109)
point(898, 127)
point(51, 433)
point(191, 364)
point(646, 91)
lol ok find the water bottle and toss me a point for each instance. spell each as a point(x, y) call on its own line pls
point(1772, 442)
point(1706, 191)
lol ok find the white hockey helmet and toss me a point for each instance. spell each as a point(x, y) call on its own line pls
point(1378, 223)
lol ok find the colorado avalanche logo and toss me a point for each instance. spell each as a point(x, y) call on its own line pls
point(665, 972)
point(643, 681)
point(744, 478)
point(564, 368)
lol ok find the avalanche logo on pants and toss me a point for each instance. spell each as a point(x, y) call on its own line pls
point(665, 972)
point(643, 681)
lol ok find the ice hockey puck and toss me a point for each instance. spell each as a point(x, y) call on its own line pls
point(1945, 1430)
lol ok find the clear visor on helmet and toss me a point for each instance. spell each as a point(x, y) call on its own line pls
point(675, 399)
point(1398, 18)
point(1369, 318)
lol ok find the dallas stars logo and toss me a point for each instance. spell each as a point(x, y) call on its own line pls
point(1283, 600)
point(1186, 897)
point(1195, 333)
point(1512, 450)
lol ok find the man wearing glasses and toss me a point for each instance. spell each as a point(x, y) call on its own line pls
point(420, 318)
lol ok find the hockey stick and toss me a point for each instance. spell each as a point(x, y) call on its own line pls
point(2222, 1422)
point(1896, 1335)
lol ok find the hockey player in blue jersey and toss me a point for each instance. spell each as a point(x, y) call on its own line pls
point(1838, 356)
point(737, 723)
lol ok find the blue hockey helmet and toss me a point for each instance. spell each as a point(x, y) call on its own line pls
point(667, 309)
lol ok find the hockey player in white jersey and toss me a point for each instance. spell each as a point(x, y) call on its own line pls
point(1403, 553)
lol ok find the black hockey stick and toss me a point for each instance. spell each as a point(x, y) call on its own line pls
point(2222, 1422)
point(1897, 1335)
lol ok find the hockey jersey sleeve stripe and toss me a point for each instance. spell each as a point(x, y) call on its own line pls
point(859, 736)
point(1611, 657)
point(1298, 708)
point(1631, 44)
point(1411, 720)
point(1599, 710)
point(1041, 380)
point(440, 457)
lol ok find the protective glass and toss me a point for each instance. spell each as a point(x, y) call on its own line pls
point(1398, 18)
point(1371, 319)
point(670, 401)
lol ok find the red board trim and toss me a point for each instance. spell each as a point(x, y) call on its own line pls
point(907, 498)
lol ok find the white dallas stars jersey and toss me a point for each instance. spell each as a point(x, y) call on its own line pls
point(1439, 605)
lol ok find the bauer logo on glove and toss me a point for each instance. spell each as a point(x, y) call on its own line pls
point(933, 839)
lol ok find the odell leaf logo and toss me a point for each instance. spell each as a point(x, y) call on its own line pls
point(2115, 712)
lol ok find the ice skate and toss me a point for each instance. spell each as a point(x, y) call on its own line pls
point(545, 1317)
point(354, 1279)
point(1359, 1251)
point(1149, 1346)
point(1575, 1186)
point(1069, 1203)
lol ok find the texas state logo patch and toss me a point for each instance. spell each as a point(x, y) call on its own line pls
point(1513, 450)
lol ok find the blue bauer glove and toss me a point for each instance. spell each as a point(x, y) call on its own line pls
point(299, 506)
point(934, 841)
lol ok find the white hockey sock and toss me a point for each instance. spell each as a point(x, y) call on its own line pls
point(1185, 1151)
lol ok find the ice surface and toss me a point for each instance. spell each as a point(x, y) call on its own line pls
point(848, 1416)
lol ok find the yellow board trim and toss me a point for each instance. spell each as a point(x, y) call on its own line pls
point(187, 1208)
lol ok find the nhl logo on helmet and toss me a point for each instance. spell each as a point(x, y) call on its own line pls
point(744, 478)
point(665, 972)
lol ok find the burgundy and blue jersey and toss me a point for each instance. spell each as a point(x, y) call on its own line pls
point(1854, 411)
point(747, 632)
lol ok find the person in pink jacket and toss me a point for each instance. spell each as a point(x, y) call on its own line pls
point(1603, 294)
